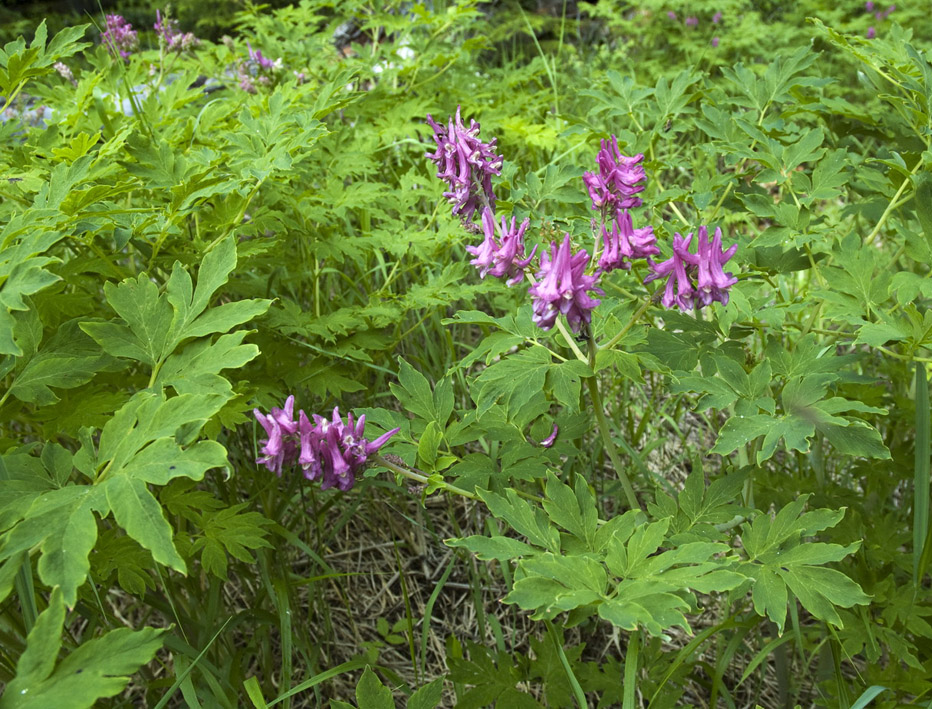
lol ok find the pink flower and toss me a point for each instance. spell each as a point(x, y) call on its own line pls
point(501, 258)
point(622, 243)
point(466, 163)
point(615, 185)
point(330, 451)
point(562, 286)
point(120, 37)
point(712, 283)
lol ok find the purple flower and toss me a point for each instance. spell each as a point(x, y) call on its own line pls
point(262, 62)
point(679, 289)
point(622, 243)
point(175, 40)
point(330, 451)
point(505, 258)
point(671, 14)
point(615, 185)
point(712, 283)
point(549, 440)
point(716, 18)
point(715, 41)
point(562, 286)
point(869, 6)
point(466, 163)
point(120, 37)
point(871, 33)
point(692, 21)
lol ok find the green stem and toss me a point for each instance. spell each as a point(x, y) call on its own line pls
point(578, 693)
point(890, 207)
point(423, 479)
point(631, 323)
point(629, 700)
point(609, 445)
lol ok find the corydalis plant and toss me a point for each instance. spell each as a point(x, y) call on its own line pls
point(331, 451)
point(705, 266)
point(562, 287)
point(501, 258)
point(120, 37)
point(466, 164)
point(175, 40)
point(621, 243)
point(619, 179)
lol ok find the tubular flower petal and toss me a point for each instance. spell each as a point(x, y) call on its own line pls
point(615, 185)
point(562, 286)
point(623, 243)
point(328, 450)
point(501, 259)
point(465, 163)
point(712, 283)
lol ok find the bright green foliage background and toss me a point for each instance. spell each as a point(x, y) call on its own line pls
point(175, 253)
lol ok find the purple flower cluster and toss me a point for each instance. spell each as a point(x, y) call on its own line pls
point(120, 37)
point(613, 190)
point(616, 185)
point(258, 70)
point(561, 287)
point(621, 241)
point(466, 164)
point(175, 40)
point(331, 451)
point(502, 258)
point(711, 281)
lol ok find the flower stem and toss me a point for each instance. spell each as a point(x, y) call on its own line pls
point(631, 323)
point(607, 442)
point(423, 479)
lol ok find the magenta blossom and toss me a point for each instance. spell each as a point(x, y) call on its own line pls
point(549, 440)
point(871, 33)
point(330, 451)
point(692, 21)
point(120, 37)
point(175, 40)
point(711, 284)
point(562, 286)
point(466, 163)
point(501, 258)
point(616, 184)
point(716, 18)
point(622, 243)
point(256, 56)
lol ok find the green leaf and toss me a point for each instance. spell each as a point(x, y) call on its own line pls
point(575, 512)
point(427, 697)
point(61, 522)
point(97, 668)
point(427, 446)
point(231, 531)
point(489, 548)
point(69, 359)
point(372, 694)
point(138, 512)
point(565, 379)
point(413, 392)
point(513, 381)
point(923, 203)
point(524, 519)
